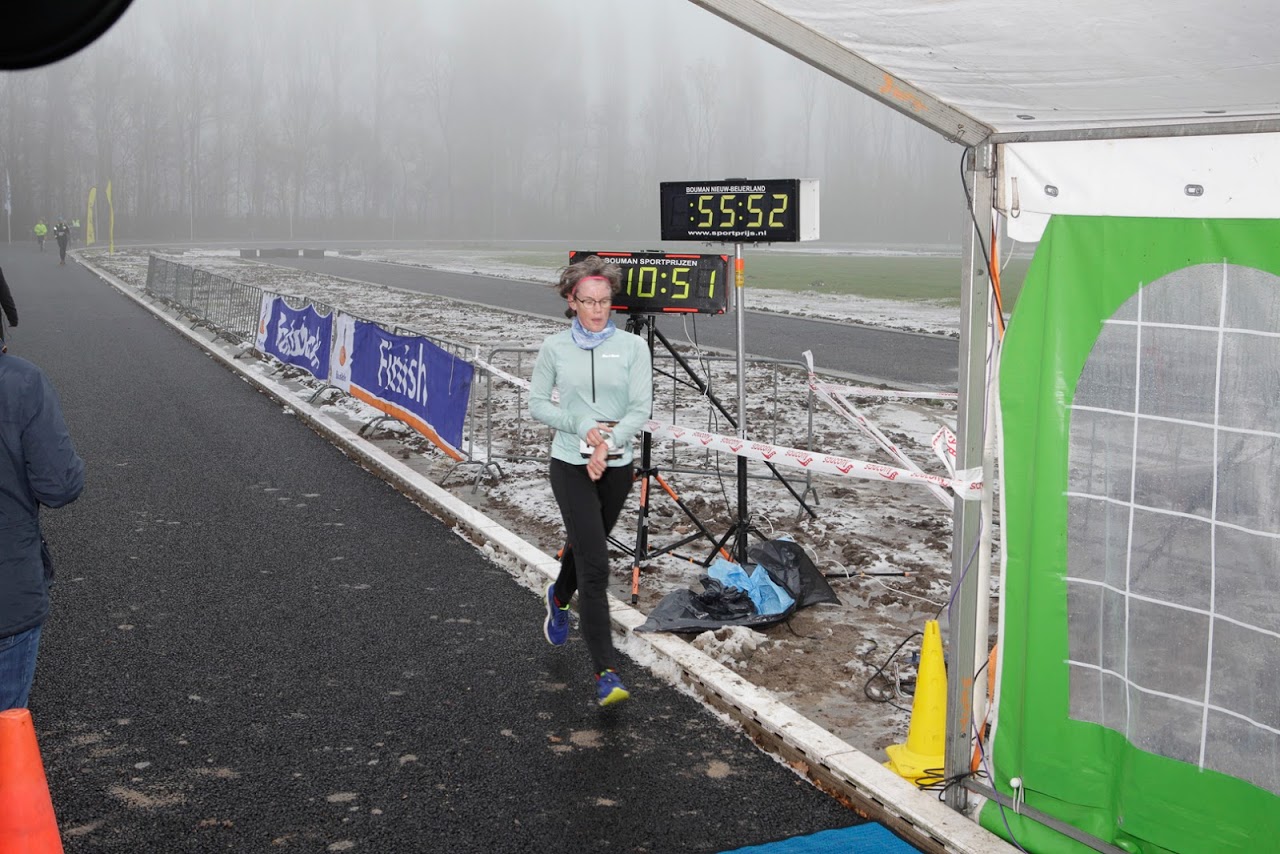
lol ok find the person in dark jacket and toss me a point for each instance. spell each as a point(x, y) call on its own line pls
point(62, 233)
point(8, 308)
point(38, 466)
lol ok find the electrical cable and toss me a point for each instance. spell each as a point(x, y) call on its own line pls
point(964, 571)
point(697, 350)
point(935, 780)
point(797, 634)
point(902, 592)
point(713, 421)
point(1012, 252)
point(845, 570)
point(991, 777)
point(813, 553)
point(879, 674)
point(997, 300)
point(977, 230)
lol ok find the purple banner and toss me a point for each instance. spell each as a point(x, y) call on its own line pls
point(412, 380)
point(299, 337)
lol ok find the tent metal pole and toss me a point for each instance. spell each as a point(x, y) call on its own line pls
point(1161, 131)
point(982, 618)
point(762, 20)
point(962, 616)
point(743, 524)
point(1044, 818)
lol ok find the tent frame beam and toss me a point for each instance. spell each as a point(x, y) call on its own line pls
point(827, 56)
point(1044, 818)
point(1196, 128)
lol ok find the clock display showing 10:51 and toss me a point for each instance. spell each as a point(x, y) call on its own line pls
point(660, 282)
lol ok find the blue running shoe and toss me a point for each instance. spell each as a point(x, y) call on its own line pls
point(609, 689)
point(556, 626)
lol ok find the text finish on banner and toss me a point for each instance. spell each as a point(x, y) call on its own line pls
point(411, 379)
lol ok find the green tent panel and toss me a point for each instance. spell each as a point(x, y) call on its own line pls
point(1139, 684)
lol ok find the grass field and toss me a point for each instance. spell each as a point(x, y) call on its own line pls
point(874, 277)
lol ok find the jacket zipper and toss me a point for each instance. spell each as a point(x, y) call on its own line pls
point(593, 375)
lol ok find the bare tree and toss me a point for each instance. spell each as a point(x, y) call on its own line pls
point(300, 117)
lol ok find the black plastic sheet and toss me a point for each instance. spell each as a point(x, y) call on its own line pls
point(789, 566)
point(717, 606)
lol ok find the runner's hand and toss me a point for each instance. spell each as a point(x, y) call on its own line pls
point(597, 435)
point(598, 461)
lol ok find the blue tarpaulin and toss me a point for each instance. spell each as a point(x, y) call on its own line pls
point(768, 597)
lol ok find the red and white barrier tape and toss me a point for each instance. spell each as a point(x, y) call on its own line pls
point(944, 445)
point(866, 391)
point(852, 414)
point(501, 374)
point(967, 484)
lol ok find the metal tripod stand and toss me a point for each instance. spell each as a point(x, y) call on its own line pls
point(647, 472)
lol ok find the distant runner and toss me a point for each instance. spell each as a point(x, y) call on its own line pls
point(62, 233)
point(41, 230)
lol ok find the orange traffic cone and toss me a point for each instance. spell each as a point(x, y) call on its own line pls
point(924, 753)
point(27, 822)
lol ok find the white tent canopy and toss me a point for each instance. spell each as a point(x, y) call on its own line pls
point(1171, 108)
point(980, 71)
point(1212, 177)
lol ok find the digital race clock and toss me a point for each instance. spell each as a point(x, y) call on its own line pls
point(740, 211)
point(655, 282)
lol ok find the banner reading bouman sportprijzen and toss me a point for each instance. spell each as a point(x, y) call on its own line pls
point(298, 337)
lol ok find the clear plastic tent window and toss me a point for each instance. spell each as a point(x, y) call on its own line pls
point(1173, 545)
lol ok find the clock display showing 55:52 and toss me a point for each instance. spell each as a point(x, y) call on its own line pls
point(781, 210)
point(660, 282)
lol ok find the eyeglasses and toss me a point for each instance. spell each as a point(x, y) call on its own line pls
point(594, 303)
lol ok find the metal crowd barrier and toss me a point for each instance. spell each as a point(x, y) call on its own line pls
point(230, 309)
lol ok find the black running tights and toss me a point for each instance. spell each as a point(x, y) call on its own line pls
point(589, 509)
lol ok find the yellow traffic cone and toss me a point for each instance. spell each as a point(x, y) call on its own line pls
point(923, 754)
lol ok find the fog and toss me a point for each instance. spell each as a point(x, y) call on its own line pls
point(447, 119)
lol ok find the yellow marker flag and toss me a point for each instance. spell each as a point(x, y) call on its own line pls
point(111, 222)
point(89, 237)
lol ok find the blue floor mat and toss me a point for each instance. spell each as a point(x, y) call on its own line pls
point(862, 839)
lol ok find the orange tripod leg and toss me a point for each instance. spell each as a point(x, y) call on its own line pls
point(640, 545)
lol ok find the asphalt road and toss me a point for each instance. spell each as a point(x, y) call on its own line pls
point(901, 359)
point(256, 645)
